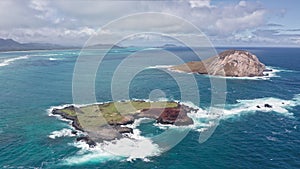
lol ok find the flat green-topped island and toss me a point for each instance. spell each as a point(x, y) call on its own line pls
point(107, 121)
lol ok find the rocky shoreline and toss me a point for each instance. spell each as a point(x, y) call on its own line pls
point(74, 119)
point(115, 129)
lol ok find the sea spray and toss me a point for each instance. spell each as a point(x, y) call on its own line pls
point(61, 133)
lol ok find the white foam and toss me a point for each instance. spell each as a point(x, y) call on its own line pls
point(203, 119)
point(129, 148)
point(88, 155)
point(278, 105)
point(136, 123)
point(6, 62)
point(56, 107)
point(177, 71)
point(49, 54)
point(134, 146)
point(55, 59)
point(61, 133)
point(168, 67)
point(270, 138)
point(159, 67)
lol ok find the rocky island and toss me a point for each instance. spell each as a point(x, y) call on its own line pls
point(233, 63)
point(107, 121)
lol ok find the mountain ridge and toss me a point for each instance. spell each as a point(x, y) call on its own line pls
point(12, 45)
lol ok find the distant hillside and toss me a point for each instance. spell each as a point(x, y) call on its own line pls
point(103, 46)
point(11, 45)
point(168, 45)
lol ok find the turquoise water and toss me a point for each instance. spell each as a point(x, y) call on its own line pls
point(33, 81)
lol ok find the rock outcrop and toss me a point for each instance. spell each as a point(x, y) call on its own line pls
point(176, 116)
point(234, 63)
point(72, 117)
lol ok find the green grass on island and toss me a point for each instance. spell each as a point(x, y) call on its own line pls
point(96, 115)
point(69, 112)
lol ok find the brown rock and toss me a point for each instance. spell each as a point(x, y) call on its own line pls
point(234, 63)
point(177, 116)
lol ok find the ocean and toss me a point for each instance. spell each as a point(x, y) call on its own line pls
point(33, 82)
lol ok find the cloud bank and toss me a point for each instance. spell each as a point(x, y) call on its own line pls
point(226, 23)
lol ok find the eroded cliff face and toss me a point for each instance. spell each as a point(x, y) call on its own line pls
point(234, 63)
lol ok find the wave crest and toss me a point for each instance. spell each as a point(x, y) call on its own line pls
point(61, 133)
point(7, 62)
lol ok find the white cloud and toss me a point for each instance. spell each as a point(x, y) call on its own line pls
point(48, 34)
point(60, 21)
point(243, 3)
point(43, 11)
point(200, 3)
point(233, 24)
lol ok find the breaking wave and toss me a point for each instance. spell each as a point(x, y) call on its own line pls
point(134, 146)
point(267, 74)
point(7, 62)
point(159, 67)
point(61, 133)
point(54, 59)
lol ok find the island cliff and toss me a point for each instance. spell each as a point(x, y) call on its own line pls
point(234, 63)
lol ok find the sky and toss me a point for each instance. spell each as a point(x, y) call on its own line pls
point(223, 22)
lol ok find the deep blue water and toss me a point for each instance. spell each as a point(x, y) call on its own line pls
point(246, 138)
